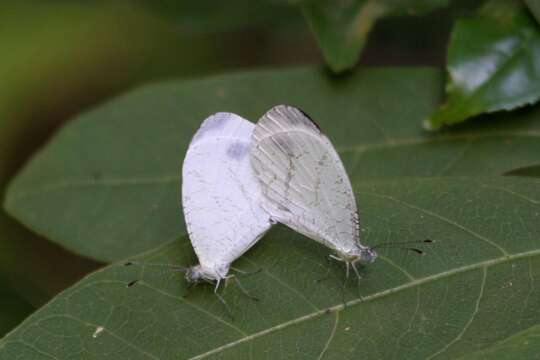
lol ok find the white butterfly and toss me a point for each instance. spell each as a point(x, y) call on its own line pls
point(305, 184)
point(221, 197)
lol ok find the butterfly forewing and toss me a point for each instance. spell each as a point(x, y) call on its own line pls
point(220, 195)
point(303, 179)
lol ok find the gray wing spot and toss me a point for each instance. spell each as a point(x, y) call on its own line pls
point(237, 150)
point(284, 208)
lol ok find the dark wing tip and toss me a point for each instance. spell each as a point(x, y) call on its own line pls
point(310, 119)
point(306, 115)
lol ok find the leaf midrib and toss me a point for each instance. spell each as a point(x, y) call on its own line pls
point(375, 296)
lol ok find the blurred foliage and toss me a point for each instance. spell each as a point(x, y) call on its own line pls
point(492, 63)
point(534, 6)
point(205, 16)
point(341, 27)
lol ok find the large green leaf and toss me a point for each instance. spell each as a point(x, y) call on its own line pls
point(341, 27)
point(477, 287)
point(493, 64)
point(523, 345)
point(107, 186)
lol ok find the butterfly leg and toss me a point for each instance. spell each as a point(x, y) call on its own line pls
point(356, 272)
point(243, 272)
point(344, 284)
point(341, 260)
point(347, 265)
point(242, 288)
point(188, 287)
point(359, 277)
point(222, 300)
point(325, 277)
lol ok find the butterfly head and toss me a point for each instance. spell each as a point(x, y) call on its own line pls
point(199, 273)
point(194, 274)
point(367, 255)
point(361, 254)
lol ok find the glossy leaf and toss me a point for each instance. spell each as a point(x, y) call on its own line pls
point(493, 64)
point(107, 186)
point(476, 288)
point(341, 27)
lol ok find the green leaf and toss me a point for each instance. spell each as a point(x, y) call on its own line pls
point(523, 345)
point(477, 286)
point(341, 27)
point(107, 186)
point(493, 64)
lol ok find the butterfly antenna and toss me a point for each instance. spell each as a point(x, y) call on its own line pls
point(170, 266)
point(222, 300)
point(415, 250)
point(401, 243)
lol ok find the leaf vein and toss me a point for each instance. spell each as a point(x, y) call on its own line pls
point(375, 296)
point(516, 194)
point(473, 315)
point(440, 217)
point(330, 338)
point(287, 286)
point(391, 263)
point(209, 314)
point(167, 179)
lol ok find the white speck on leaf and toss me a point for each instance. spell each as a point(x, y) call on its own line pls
point(99, 329)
